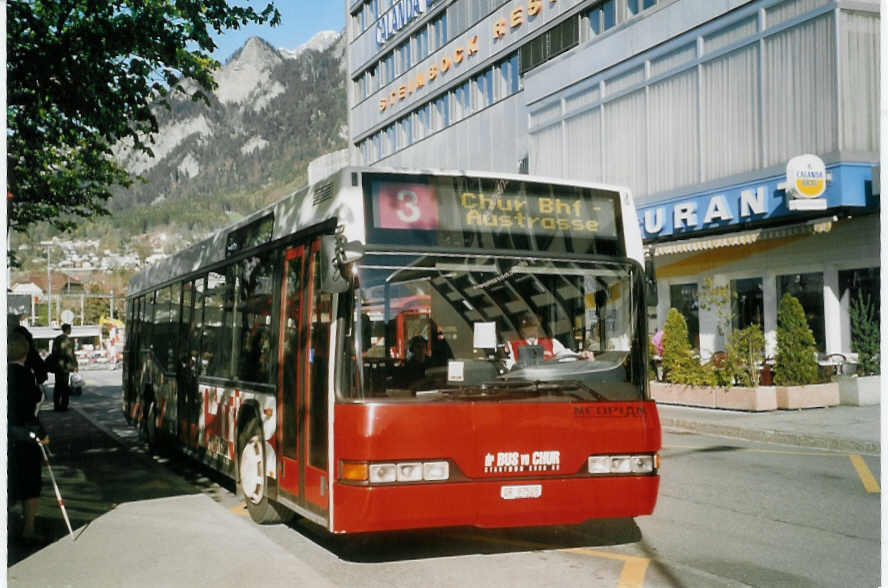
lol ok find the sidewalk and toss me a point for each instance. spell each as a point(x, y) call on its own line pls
point(854, 429)
point(138, 520)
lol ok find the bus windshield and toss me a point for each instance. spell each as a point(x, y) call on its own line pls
point(439, 327)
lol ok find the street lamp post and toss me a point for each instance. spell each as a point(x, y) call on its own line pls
point(49, 288)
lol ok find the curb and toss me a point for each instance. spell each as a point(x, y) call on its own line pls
point(773, 436)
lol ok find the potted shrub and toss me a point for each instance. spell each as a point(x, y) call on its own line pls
point(676, 363)
point(745, 353)
point(739, 373)
point(863, 388)
point(727, 381)
point(796, 373)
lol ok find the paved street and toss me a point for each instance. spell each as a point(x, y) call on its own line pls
point(731, 512)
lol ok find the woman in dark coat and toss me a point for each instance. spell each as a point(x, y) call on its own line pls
point(34, 362)
point(25, 461)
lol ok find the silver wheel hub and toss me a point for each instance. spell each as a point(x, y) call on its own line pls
point(252, 472)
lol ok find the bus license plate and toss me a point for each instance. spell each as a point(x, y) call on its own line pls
point(524, 491)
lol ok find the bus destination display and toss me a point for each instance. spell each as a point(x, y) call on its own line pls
point(494, 208)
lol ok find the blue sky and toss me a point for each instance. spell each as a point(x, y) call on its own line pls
point(300, 20)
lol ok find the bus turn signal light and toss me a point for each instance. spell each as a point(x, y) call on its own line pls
point(354, 471)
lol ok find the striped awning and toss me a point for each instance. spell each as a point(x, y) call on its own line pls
point(822, 225)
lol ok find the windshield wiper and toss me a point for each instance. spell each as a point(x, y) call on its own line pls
point(529, 388)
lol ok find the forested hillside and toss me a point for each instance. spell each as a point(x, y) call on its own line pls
point(270, 116)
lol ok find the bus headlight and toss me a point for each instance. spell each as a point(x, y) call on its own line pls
point(436, 470)
point(409, 472)
point(599, 464)
point(382, 473)
point(644, 463)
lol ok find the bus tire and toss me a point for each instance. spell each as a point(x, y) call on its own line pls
point(252, 475)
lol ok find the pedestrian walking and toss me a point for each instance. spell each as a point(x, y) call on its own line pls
point(23, 396)
point(64, 362)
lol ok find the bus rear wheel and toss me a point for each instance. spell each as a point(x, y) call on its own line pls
point(253, 480)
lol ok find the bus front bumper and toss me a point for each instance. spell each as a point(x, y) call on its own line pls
point(492, 504)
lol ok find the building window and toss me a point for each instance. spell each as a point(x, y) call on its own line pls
point(441, 112)
point(405, 131)
point(484, 89)
point(602, 17)
point(508, 80)
point(860, 284)
point(422, 43)
point(563, 37)
point(365, 150)
point(683, 298)
point(388, 67)
point(553, 42)
point(748, 302)
point(461, 103)
point(370, 81)
point(403, 52)
point(392, 133)
point(439, 31)
point(808, 288)
point(377, 146)
point(422, 121)
point(636, 6)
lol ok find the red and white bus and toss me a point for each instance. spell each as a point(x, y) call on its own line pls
point(392, 350)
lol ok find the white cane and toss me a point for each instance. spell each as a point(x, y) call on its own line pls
point(54, 485)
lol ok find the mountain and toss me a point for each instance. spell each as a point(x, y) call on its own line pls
point(320, 42)
point(274, 111)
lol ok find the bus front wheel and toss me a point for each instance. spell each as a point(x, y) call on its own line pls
point(253, 480)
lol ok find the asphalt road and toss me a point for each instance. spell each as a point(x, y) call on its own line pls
point(730, 513)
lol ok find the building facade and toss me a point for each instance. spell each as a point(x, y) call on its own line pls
point(697, 105)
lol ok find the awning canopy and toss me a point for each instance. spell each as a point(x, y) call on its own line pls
point(821, 225)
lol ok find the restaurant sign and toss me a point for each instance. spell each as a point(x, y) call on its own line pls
point(847, 184)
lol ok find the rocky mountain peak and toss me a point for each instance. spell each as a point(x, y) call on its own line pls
point(247, 70)
point(319, 42)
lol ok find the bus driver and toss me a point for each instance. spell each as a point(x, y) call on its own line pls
point(532, 334)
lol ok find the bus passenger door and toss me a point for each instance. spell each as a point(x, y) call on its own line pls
point(316, 384)
point(303, 380)
point(289, 405)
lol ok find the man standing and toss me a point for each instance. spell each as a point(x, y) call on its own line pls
point(65, 363)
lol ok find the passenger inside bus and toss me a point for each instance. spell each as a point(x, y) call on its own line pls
point(414, 369)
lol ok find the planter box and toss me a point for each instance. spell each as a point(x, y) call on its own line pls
point(758, 399)
point(810, 396)
point(681, 394)
point(859, 390)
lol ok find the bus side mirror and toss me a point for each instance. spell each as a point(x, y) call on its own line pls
point(650, 282)
point(335, 257)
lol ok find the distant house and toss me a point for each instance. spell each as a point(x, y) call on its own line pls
point(62, 283)
point(27, 289)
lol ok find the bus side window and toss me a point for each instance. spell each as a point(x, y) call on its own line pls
point(253, 319)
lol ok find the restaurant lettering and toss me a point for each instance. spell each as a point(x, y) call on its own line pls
point(517, 17)
point(429, 74)
point(712, 210)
